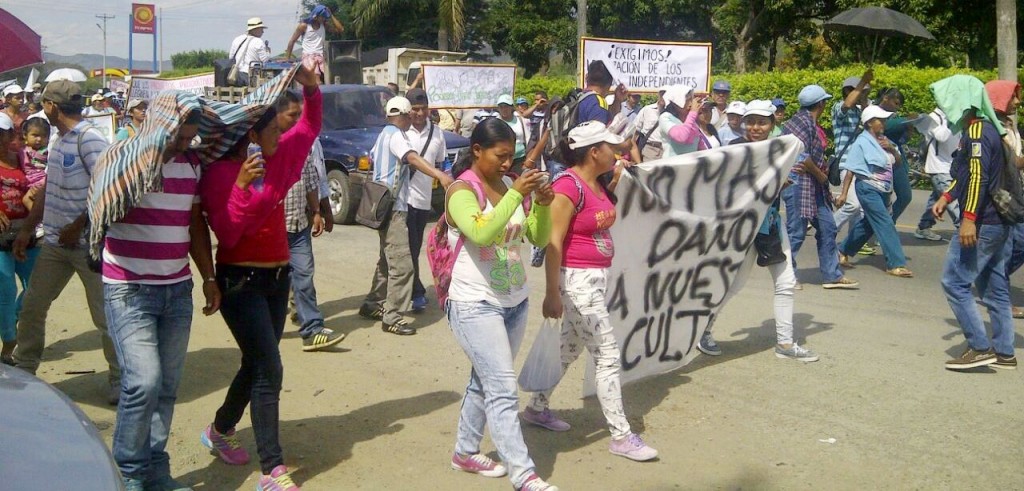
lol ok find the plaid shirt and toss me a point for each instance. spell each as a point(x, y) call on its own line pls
point(844, 127)
point(803, 126)
point(296, 209)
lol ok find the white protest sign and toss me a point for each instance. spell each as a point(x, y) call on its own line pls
point(646, 66)
point(119, 85)
point(464, 86)
point(106, 124)
point(145, 87)
point(683, 231)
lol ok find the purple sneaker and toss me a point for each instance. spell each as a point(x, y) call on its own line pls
point(545, 419)
point(226, 445)
point(478, 464)
point(632, 447)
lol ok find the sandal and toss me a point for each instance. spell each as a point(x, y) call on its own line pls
point(844, 261)
point(900, 272)
point(1018, 313)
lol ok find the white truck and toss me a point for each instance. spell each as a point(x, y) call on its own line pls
point(401, 65)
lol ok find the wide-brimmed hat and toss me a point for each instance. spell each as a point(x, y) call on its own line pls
point(255, 23)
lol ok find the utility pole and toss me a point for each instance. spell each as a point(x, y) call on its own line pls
point(581, 18)
point(103, 28)
point(1006, 39)
point(161, 33)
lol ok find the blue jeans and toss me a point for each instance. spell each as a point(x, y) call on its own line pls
point(10, 299)
point(300, 248)
point(1017, 254)
point(876, 221)
point(490, 336)
point(254, 306)
point(940, 183)
point(901, 189)
point(150, 327)
point(984, 266)
point(825, 233)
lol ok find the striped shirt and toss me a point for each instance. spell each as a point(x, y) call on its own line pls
point(150, 244)
point(67, 179)
point(389, 165)
point(296, 211)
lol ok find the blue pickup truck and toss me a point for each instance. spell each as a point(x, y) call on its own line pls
point(353, 118)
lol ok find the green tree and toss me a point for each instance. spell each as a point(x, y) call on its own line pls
point(530, 31)
point(197, 58)
point(369, 15)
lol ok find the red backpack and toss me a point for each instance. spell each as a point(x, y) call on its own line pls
point(441, 253)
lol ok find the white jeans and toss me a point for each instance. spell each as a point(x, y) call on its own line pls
point(850, 213)
point(585, 322)
point(785, 282)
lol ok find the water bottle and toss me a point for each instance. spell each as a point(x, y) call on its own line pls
point(255, 149)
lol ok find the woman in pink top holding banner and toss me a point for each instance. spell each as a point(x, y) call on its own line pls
point(578, 258)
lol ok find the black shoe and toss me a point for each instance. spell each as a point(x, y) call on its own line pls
point(374, 315)
point(400, 328)
point(1005, 362)
point(321, 340)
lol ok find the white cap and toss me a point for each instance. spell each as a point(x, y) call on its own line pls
point(591, 132)
point(134, 103)
point(872, 112)
point(13, 89)
point(505, 99)
point(254, 23)
point(677, 94)
point(97, 97)
point(759, 108)
point(736, 107)
point(5, 122)
point(398, 106)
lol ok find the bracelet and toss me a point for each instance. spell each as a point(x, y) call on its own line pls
point(210, 279)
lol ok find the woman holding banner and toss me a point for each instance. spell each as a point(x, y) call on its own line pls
point(578, 258)
point(772, 243)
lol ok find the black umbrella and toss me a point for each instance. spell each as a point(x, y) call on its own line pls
point(878, 21)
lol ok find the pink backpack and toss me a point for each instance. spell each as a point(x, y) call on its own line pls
point(441, 253)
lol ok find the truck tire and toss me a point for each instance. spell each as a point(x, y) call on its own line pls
point(343, 203)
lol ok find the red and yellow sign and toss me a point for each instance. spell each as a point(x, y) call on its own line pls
point(143, 18)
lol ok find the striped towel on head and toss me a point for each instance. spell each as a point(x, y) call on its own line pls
point(129, 169)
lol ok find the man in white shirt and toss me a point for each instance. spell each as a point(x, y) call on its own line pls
point(942, 142)
point(427, 139)
point(646, 124)
point(720, 96)
point(250, 48)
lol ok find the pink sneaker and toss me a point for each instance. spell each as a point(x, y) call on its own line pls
point(278, 480)
point(478, 464)
point(545, 419)
point(632, 447)
point(226, 445)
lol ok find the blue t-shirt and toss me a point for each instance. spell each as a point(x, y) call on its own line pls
point(593, 108)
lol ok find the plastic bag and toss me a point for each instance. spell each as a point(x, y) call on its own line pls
point(543, 367)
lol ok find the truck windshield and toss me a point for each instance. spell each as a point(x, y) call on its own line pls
point(355, 109)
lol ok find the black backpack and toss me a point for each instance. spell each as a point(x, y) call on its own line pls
point(1008, 197)
point(565, 115)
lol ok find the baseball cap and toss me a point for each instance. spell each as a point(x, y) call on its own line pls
point(778, 102)
point(811, 95)
point(417, 96)
point(722, 86)
point(677, 94)
point(134, 103)
point(255, 23)
point(852, 82)
point(736, 107)
point(591, 132)
point(97, 98)
point(13, 89)
point(398, 106)
point(872, 112)
point(521, 100)
point(760, 108)
point(62, 92)
point(505, 99)
point(5, 122)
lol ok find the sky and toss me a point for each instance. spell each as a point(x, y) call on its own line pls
point(69, 27)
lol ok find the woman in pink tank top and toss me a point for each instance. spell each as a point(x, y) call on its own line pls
point(578, 257)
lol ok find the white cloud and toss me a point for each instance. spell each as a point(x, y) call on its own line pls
point(69, 27)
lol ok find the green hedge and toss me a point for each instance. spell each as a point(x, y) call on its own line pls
point(912, 81)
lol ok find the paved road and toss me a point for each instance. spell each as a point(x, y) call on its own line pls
point(379, 412)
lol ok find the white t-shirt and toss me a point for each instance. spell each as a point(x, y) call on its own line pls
point(942, 142)
point(493, 273)
point(522, 130)
point(313, 40)
point(646, 120)
point(718, 118)
point(421, 186)
point(255, 49)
